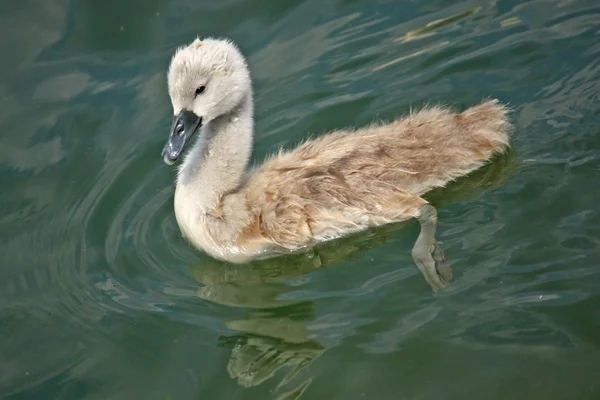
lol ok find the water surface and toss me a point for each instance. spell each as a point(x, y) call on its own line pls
point(101, 298)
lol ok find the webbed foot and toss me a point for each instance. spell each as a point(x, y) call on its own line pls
point(426, 253)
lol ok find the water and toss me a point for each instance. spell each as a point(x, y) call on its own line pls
point(100, 297)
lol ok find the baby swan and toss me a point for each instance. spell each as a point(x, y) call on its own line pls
point(339, 183)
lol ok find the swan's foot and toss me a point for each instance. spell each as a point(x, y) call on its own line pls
point(426, 253)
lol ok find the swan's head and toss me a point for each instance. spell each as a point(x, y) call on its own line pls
point(207, 79)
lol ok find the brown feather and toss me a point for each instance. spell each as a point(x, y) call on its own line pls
point(350, 180)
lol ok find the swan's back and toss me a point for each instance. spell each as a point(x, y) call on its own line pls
point(362, 178)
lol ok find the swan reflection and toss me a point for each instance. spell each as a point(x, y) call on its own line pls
point(273, 332)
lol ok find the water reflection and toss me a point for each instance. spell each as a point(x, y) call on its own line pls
point(273, 332)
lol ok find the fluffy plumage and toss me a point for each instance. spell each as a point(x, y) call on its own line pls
point(339, 183)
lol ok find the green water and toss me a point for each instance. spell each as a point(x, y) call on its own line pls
point(100, 297)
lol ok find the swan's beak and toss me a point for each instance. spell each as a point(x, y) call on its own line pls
point(185, 124)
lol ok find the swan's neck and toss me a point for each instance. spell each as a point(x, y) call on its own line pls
point(216, 164)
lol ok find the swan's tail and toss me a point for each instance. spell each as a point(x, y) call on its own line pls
point(488, 125)
point(447, 145)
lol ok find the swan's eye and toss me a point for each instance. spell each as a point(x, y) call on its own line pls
point(200, 90)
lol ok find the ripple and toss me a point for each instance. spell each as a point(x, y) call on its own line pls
point(97, 281)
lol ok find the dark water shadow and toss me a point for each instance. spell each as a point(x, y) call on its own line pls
point(492, 175)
